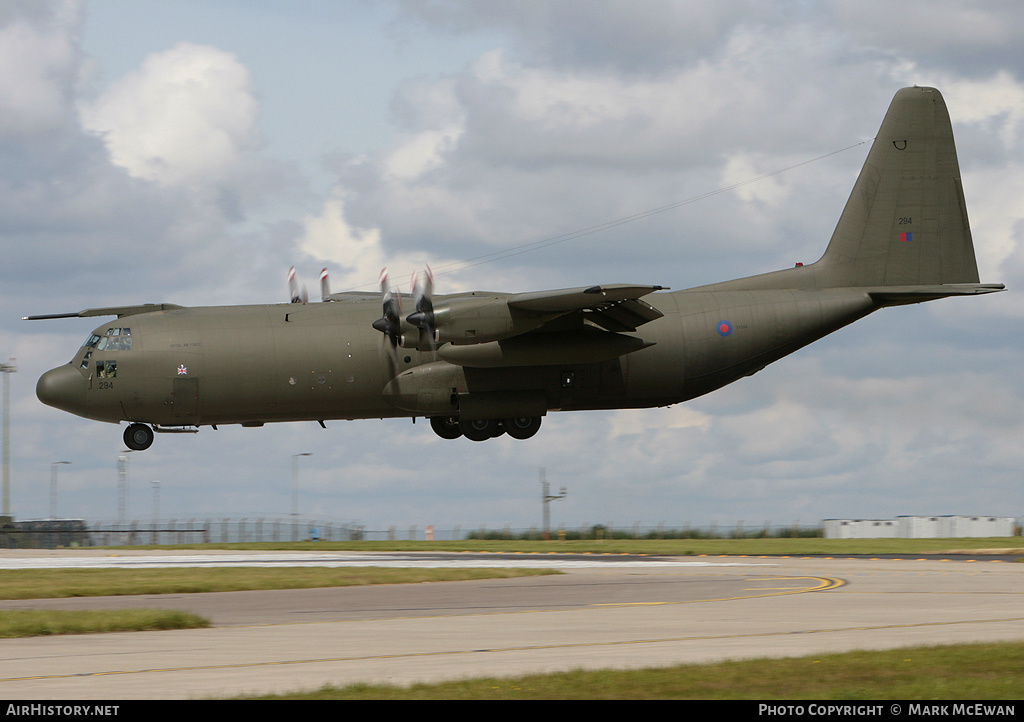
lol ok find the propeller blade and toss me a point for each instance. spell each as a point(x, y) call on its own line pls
point(423, 317)
point(325, 286)
point(423, 290)
point(390, 324)
point(297, 296)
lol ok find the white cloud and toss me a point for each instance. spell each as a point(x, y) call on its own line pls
point(741, 168)
point(993, 108)
point(186, 116)
point(355, 256)
point(436, 120)
point(330, 238)
point(421, 153)
point(997, 100)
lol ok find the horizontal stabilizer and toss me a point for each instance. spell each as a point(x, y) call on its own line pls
point(902, 295)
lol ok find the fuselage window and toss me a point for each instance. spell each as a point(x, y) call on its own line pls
point(85, 359)
point(106, 369)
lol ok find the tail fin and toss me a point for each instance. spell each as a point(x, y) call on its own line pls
point(905, 223)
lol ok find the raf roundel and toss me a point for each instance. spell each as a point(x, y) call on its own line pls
point(724, 328)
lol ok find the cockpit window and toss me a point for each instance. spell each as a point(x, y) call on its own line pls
point(115, 339)
point(106, 369)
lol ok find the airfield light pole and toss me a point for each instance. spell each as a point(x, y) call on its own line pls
point(156, 507)
point(547, 498)
point(295, 491)
point(7, 370)
point(122, 488)
point(53, 487)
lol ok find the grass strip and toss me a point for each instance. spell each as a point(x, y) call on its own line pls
point(54, 583)
point(954, 672)
point(35, 622)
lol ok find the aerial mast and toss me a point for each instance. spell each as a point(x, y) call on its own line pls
point(547, 498)
point(7, 369)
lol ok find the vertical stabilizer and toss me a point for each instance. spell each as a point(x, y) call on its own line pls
point(906, 221)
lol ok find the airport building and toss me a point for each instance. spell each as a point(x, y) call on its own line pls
point(920, 527)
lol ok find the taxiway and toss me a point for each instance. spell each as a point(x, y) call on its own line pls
point(624, 612)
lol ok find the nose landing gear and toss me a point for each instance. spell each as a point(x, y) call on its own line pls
point(138, 437)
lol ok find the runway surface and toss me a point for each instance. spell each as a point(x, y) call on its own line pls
point(605, 611)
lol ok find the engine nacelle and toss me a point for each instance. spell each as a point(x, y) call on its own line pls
point(481, 318)
point(429, 389)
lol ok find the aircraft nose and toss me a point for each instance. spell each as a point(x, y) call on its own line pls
point(63, 388)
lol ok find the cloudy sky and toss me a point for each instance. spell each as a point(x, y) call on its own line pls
point(190, 152)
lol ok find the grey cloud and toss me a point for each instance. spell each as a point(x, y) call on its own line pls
point(616, 36)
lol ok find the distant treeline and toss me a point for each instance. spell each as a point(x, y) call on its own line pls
point(599, 531)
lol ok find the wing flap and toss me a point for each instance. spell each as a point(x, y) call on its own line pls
point(622, 316)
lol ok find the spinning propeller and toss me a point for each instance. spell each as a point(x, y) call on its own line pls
point(293, 288)
point(423, 317)
point(390, 324)
point(300, 295)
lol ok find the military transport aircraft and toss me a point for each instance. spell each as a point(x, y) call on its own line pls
point(484, 364)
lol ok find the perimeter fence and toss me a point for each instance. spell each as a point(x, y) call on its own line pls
point(54, 533)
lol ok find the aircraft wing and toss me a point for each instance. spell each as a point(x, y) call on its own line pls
point(546, 327)
point(614, 307)
point(575, 299)
point(118, 311)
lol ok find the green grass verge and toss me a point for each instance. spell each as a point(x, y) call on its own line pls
point(56, 583)
point(35, 622)
point(962, 672)
point(53, 583)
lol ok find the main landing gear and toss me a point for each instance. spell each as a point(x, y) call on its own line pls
point(449, 427)
point(138, 437)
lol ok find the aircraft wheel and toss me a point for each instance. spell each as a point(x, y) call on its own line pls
point(447, 427)
point(480, 429)
point(522, 427)
point(138, 437)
